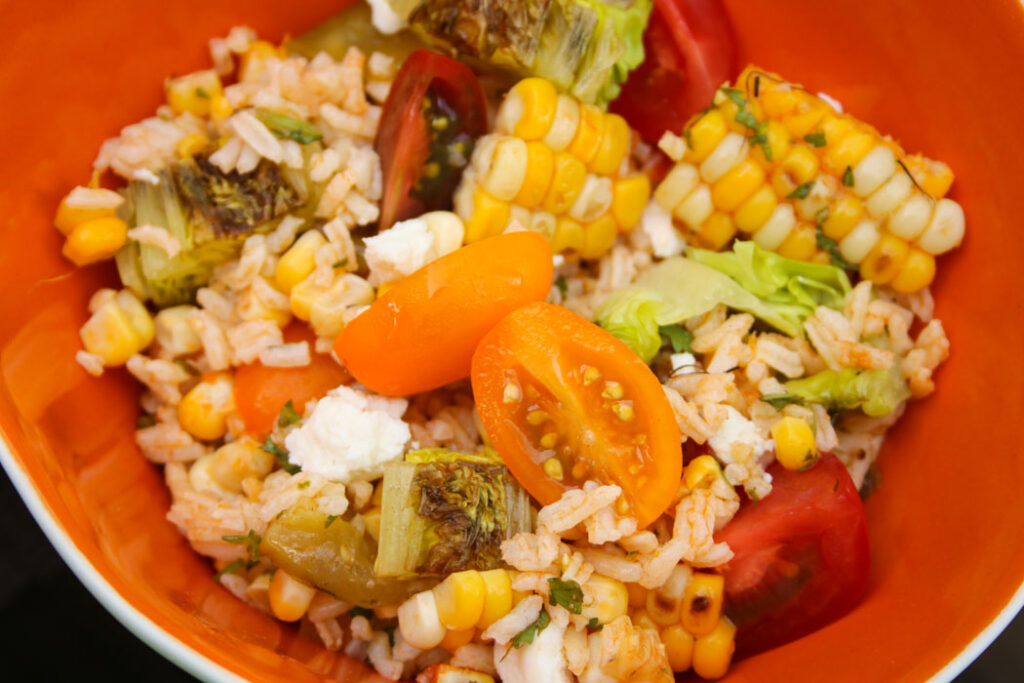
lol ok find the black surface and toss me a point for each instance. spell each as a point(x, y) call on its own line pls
point(52, 629)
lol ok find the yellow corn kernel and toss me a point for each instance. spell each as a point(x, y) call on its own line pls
point(193, 93)
point(778, 141)
point(678, 647)
point(85, 204)
point(795, 448)
point(701, 472)
point(752, 213)
point(704, 135)
point(717, 231)
point(372, 520)
point(95, 240)
point(702, 603)
point(454, 639)
point(885, 261)
point(540, 166)
point(676, 186)
point(204, 410)
point(798, 167)
point(289, 597)
point(712, 654)
point(836, 128)
point(594, 200)
point(588, 136)
point(614, 144)
point(238, 460)
point(945, 230)
point(252, 61)
point(934, 177)
point(738, 183)
point(120, 328)
point(490, 217)
point(296, 264)
point(848, 152)
point(802, 123)
point(598, 236)
point(629, 197)
point(566, 183)
point(460, 599)
point(173, 332)
point(568, 235)
point(637, 595)
point(843, 216)
point(419, 623)
point(778, 103)
point(191, 145)
point(800, 244)
point(220, 108)
point(529, 109)
point(917, 272)
point(663, 604)
point(729, 111)
point(497, 598)
point(604, 599)
point(327, 310)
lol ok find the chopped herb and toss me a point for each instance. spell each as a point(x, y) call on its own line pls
point(288, 416)
point(747, 119)
point(303, 485)
point(145, 420)
point(778, 401)
point(678, 336)
point(736, 95)
point(801, 191)
point(822, 215)
point(761, 138)
point(229, 569)
point(330, 520)
point(201, 92)
point(568, 594)
point(280, 454)
point(832, 247)
point(594, 625)
point(848, 177)
point(815, 139)
point(809, 461)
point(187, 367)
point(251, 541)
point(562, 285)
point(340, 264)
point(358, 611)
point(526, 636)
point(289, 128)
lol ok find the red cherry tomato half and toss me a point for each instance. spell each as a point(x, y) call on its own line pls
point(690, 51)
point(421, 157)
point(801, 556)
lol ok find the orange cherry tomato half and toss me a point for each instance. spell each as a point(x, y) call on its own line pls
point(261, 391)
point(565, 402)
point(421, 333)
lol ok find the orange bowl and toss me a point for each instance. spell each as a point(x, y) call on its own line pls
point(946, 525)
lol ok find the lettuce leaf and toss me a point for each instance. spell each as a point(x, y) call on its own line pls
point(876, 392)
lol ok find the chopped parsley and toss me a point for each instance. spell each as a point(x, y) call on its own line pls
point(568, 594)
point(358, 611)
point(526, 636)
point(678, 336)
point(779, 401)
point(594, 625)
point(822, 215)
point(251, 541)
point(736, 95)
point(303, 485)
point(829, 245)
point(815, 139)
point(562, 285)
point(280, 454)
point(848, 177)
point(801, 191)
point(288, 416)
point(201, 92)
point(229, 569)
point(330, 520)
point(288, 127)
point(340, 264)
point(747, 119)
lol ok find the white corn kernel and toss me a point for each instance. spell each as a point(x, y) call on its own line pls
point(563, 128)
point(594, 199)
point(730, 151)
point(419, 622)
point(874, 169)
point(696, 208)
point(544, 223)
point(861, 240)
point(501, 167)
point(676, 186)
point(909, 220)
point(818, 198)
point(777, 228)
point(889, 196)
point(447, 229)
point(173, 332)
point(945, 230)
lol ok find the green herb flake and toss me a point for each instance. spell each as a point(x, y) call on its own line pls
point(251, 541)
point(779, 401)
point(568, 594)
point(358, 611)
point(288, 416)
point(229, 569)
point(289, 128)
point(303, 485)
point(201, 92)
point(562, 285)
point(594, 625)
point(760, 137)
point(145, 420)
point(736, 95)
point(801, 191)
point(340, 264)
point(330, 520)
point(747, 119)
point(822, 215)
point(280, 454)
point(678, 336)
point(526, 636)
point(829, 245)
point(848, 177)
point(815, 139)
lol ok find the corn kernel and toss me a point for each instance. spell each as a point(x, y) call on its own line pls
point(529, 109)
point(566, 184)
point(629, 198)
point(194, 93)
point(733, 149)
point(795, 448)
point(614, 144)
point(220, 108)
point(568, 235)
point(753, 212)
point(875, 168)
point(460, 599)
point(696, 208)
point(884, 262)
point(945, 230)
point(589, 133)
point(253, 61)
point(498, 597)
point(934, 177)
point(847, 152)
point(704, 135)
point(296, 264)
point(778, 103)
point(678, 647)
point(843, 216)
point(191, 145)
point(860, 241)
point(238, 460)
point(663, 604)
point(289, 597)
point(910, 219)
point(489, 217)
point(371, 518)
point(604, 599)
point(204, 410)
point(173, 332)
point(798, 167)
point(777, 228)
point(736, 185)
point(540, 166)
point(676, 186)
point(85, 204)
point(598, 236)
point(717, 231)
point(777, 142)
point(712, 653)
point(454, 639)
point(917, 272)
point(563, 128)
point(120, 328)
point(800, 124)
point(801, 243)
point(637, 595)
point(500, 163)
point(419, 622)
point(700, 472)
point(95, 240)
point(890, 196)
point(702, 603)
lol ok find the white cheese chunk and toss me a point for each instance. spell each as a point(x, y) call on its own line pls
point(384, 18)
point(737, 430)
point(402, 250)
point(656, 223)
point(684, 364)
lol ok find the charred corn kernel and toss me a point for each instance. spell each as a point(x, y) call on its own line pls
point(614, 144)
point(488, 216)
point(910, 219)
point(663, 604)
point(843, 216)
point(702, 603)
point(696, 208)
point(191, 145)
point(795, 448)
point(730, 151)
point(84, 204)
point(118, 329)
point(540, 166)
point(563, 127)
point(460, 599)
point(798, 167)
point(598, 236)
point(220, 108)
point(701, 472)
point(934, 177)
point(755, 211)
point(604, 599)
point(861, 240)
point(529, 109)
point(738, 184)
point(712, 654)
point(589, 132)
point(677, 184)
point(204, 410)
point(916, 272)
point(500, 164)
point(629, 197)
point(800, 244)
point(289, 597)
point(568, 235)
point(372, 520)
point(296, 264)
point(194, 92)
point(238, 460)
point(95, 240)
point(777, 228)
point(945, 230)
point(875, 168)
point(884, 261)
point(497, 598)
point(419, 622)
point(704, 135)
point(173, 332)
point(891, 195)
point(566, 184)
point(847, 151)
point(453, 640)
point(717, 231)
point(678, 647)
point(777, 142)
point(594, 200)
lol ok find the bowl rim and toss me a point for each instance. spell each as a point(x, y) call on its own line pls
point(205, 669)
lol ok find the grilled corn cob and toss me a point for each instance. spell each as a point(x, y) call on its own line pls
point(771, 161)
point(555, 166)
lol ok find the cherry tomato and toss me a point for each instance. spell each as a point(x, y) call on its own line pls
point(261, 392)
point(564, 402)
point(434, 112)
point(421, 333)
point(690, 51)
point(801, 556)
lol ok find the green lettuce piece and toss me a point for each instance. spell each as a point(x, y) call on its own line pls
point(876, 392)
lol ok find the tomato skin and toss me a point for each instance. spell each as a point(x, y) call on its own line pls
point(422, 332)
point(690, 51)
point(403, 140)
point(545, 351)
point(261, 391)
point(801, 556)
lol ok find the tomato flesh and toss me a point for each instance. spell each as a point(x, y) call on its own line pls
point(801, 556)
point(552, 387)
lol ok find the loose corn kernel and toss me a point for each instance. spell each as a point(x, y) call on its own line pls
point(945, 230)
point(327, 311)
point(629, 197)
point(238, 460)
point(95, 240)
point(529, 109)
point(678, 647)
point(712, 653)
point(540, 167)
point(296, 264)
point(500, 164)
point(85, 204)
point(419, 622)
point(191, 145)
point(795, 448)
point(701, 472)
point(460, 599)
point(120, 328)
point(861, 240)
point(589, 132)
point(843, 216)
point(702, 603)
point(489, 216)
point(677, 184)
point(732, 150)
point(884, 261)
point(446, 673)
point(614, 144)
point(173, 332)
point(847, 152)
point(563, 128)
point(798, 167)
point(801, 243)
point(755, 211)
point(672, 145)
point(220, 108)
point(604, 599)
point(663, 604)
point(917, 272)
point(696, 208)
point(777, 228)
point(778, 143)
point(736, 185)
point(194, 92)
point(289, 597)
point(497, 598)
point(453, 640)
point(704, 135)
point(566, 183)
point(204, 410)
point(598, 236)
point(371, 518)
point(253, 61)
point(717, 230)
point(874, 169)
point(910, 219)
point(568, 235)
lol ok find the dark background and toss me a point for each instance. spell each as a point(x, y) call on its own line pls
point(45, 610)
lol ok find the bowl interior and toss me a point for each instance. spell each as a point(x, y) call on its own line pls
point(940, 76)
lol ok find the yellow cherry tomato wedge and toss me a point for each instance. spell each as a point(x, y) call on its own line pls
point(565, 402)
point(421, 333)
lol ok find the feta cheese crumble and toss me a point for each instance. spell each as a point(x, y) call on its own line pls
point(384, 18)
point(350, 435)
point(656, 223)
point(737, 440)
point(684, 364)
point(411, 244)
